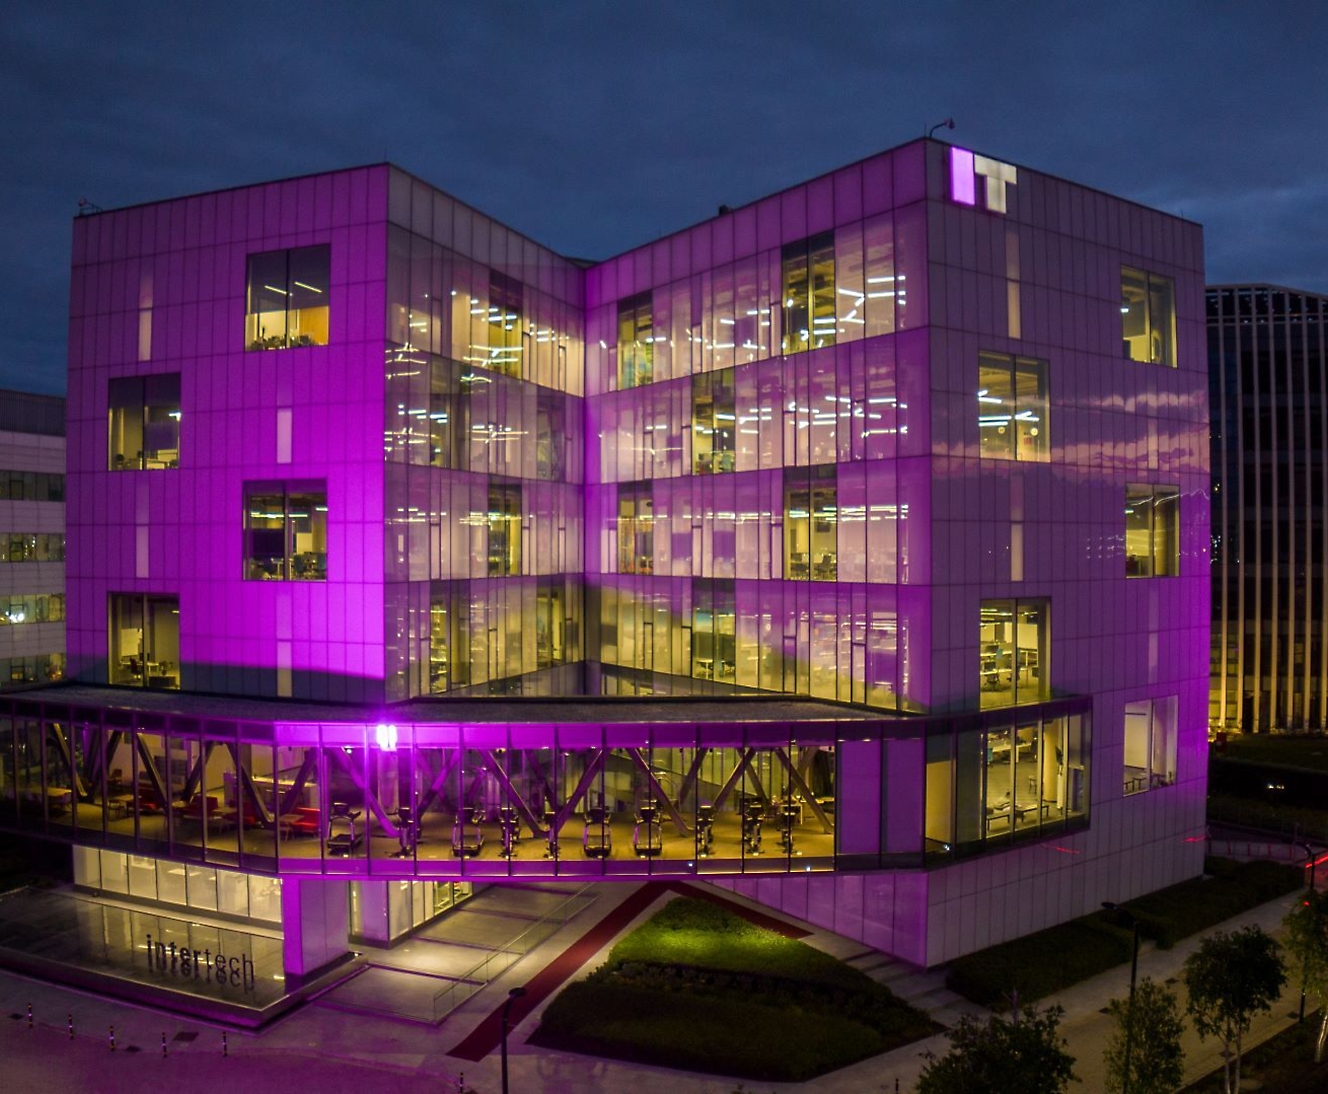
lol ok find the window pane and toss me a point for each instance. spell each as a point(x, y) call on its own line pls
point(1166, 531)
point(1162, 320)
point(797, 298)
point(125, 397)
point(996, 407)
point(265, 319)
point(1030, 420)
point(1134, 315)
point(821, 260)
point(310, 285)
point(161, 421)
point(265, 537)
point(306, 516)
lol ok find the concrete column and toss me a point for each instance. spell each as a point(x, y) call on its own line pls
point(315, 919)
point(377, 929)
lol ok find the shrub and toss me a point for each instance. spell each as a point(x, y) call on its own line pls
point(1058, 957)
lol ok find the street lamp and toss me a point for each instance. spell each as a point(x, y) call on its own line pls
point(512, 997)
point(1309, 851)
point(1129, 1010)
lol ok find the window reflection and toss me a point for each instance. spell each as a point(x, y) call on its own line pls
point(1012, 407)
point(1152, 531)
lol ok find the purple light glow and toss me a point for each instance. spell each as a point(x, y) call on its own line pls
point(963, 188)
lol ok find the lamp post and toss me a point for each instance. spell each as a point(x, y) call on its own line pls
point(1309, 851)
point(1129, 1010)
point(512, 997)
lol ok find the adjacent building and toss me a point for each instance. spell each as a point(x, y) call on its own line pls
point(1267, 347)
point(32, 539)
point(850, 549)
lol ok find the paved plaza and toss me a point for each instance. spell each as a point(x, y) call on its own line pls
point(327, 1046)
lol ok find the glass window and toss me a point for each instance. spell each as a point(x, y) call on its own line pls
point(287, 298)
point(1012, 407)
point(1148, 317)
point(1013, 646)
point(636, 518)
point(504, 529)
point(1150, 744)
point(636, 341)
point(144, 645)
point(504, 323)
point(714, 641)
point(714, 422)
point(34, 608)
point(809, 293)
point(1152, 531)
point(811, 514)
point(285, 532)
point(144, 422)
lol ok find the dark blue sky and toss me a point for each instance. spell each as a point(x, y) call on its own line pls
point(596, 126)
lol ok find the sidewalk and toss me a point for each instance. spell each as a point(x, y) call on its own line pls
point(330, 1050)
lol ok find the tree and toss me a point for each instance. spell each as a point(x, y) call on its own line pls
point(1024, 1053)
point(1156, 1058)
point(1231, 978)
point(1307, 940)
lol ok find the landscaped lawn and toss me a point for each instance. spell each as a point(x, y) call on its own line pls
point(699, 988)
point(1049, 961)
point(1306, 752)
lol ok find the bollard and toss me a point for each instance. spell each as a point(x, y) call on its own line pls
point(70, 1018)
point(29, 1016)
point(461, 1083)
point(163, 1046)
point(225, 1051)
point(112, 1038)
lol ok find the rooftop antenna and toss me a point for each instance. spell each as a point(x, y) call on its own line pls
point(87, 208)
point(947, 124)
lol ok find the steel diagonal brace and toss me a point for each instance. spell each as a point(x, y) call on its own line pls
point(513, 795)
point(744, 761)
point(307, 768)
point(249, 790)
point(371, 801)
point(439, 784)
point(582, 788)
point(693, 772)
point(640, 761)
point(795, 777)
point(57, 735)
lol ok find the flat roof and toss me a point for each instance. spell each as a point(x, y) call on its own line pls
point(493, 710)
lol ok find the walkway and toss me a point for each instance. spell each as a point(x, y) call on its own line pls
point(331, 1050)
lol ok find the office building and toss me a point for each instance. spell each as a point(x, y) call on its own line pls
point(1267, 348)
point(849, 549)
point(32, 539)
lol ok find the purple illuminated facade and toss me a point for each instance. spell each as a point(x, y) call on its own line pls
point(849, 549)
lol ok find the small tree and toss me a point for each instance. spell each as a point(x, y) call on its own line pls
point(1231, 978)
point(1307, 940)
point(1156, 1058)
point(1025, 1053)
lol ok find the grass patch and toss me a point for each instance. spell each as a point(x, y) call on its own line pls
point(1309, 753)
point(1297, 820)
point(1283, 1063)
point(1050, 961)
point(699, 988)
